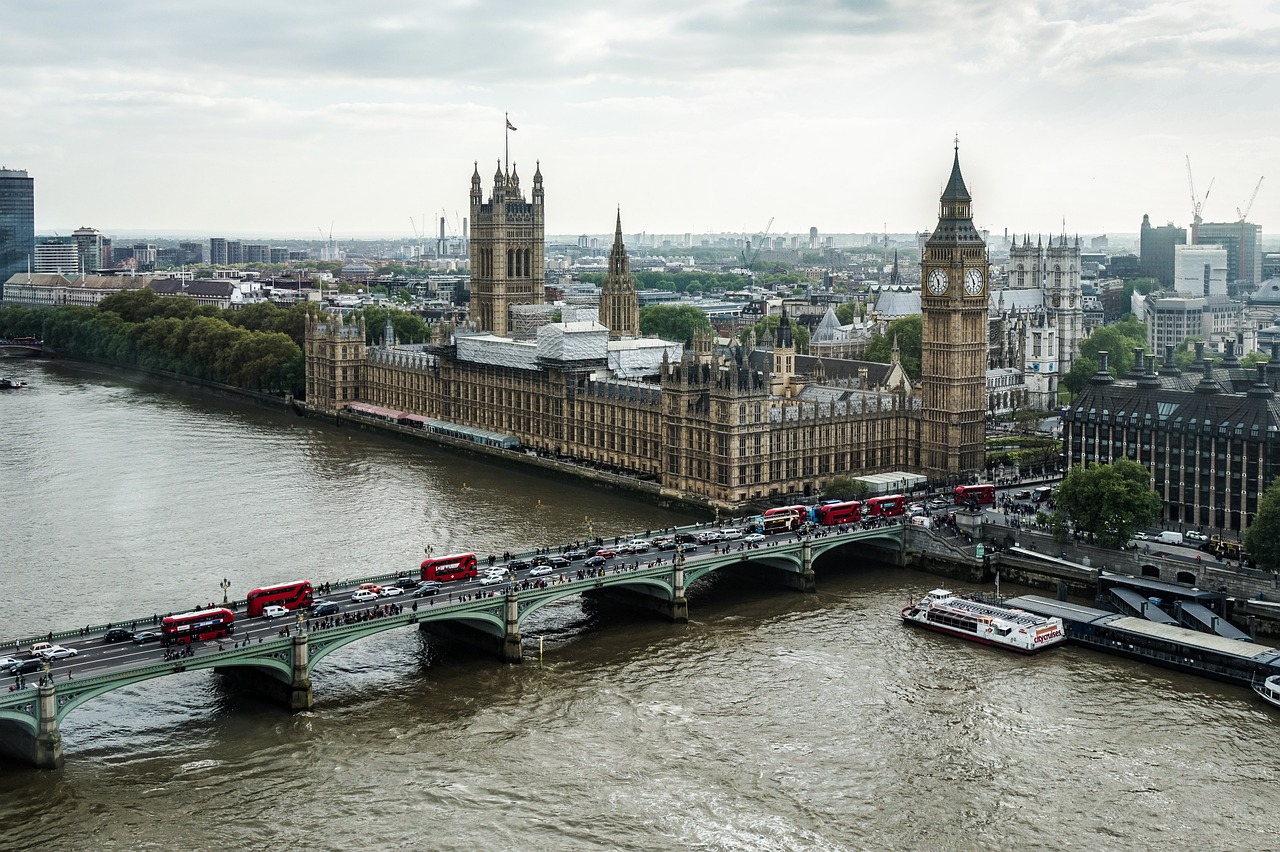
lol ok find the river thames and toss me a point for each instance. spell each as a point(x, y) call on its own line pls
point(773, 720)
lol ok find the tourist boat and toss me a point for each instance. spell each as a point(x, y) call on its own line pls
point(1269, 689)
point(12, 384)
point(984, 622)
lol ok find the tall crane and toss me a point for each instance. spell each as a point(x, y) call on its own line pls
point(755, 254)
point(1197, 204)
point(1244, 214)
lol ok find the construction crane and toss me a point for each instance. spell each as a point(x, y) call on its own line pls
point(755, 254)
point(1244, 214)
point(1197, 204)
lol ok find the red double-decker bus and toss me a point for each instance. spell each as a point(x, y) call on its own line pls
point(459, 566)
point(848, 512)
point(889, 506)
point(801, 511)
point(197, 626)
point(295, 595)
point(983, 495)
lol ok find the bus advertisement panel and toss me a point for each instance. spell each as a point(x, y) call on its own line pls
point(889, 506)
point(295, 595)
point(775, 524)
point(848, 512)
point(983, 495)
point(459, 566)
point(197, 626)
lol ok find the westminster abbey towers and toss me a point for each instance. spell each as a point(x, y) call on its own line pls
point(953, 303)
point(507, 260)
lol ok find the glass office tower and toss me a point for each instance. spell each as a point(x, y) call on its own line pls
point(17, 223)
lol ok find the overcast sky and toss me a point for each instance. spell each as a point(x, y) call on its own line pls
point(277, 117)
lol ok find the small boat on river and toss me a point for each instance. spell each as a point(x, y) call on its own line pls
point(1269, 690)
point(12, 384)
point(988, 623)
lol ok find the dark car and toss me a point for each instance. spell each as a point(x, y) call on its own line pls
point(558, 562)
point(322, 608)
point(407, 582)
point(117, 634)
point(685, 538)
point(594, 561)
point(519, 565)
point(539, 560)
point(146, 636)
point(427, 589)
point(26, 667)
point(1024, 494)
point(575, 554)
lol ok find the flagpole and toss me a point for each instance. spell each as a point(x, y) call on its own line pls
point(506, 153)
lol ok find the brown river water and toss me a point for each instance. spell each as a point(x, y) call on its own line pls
point(773, 720)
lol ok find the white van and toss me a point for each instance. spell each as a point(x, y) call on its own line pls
point(730, 533)
point(1169, 537)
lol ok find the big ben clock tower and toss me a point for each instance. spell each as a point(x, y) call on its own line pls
point(953, 356)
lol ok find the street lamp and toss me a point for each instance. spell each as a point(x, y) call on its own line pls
point(225, 584)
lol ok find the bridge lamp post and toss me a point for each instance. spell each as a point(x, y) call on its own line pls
point(225, 584)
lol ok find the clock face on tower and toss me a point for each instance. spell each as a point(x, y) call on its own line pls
point(937, 282)
point(973, 282)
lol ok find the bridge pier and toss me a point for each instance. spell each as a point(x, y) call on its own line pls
point(678, 611)
point(294, 695)
point(511, 652)
point(46, 747)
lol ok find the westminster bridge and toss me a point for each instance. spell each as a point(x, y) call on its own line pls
point(275, 657)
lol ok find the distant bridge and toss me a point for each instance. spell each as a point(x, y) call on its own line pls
point(22, 347)
point(279, 666)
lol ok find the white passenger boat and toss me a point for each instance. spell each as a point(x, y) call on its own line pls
point(1269, 689)
point(979, 621)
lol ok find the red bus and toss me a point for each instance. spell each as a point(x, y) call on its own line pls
point(197, 626)
point(802, 511)
point(459, 566)
point(295, 595)
point(983, 495)
point(886, 507)
point(831, 514)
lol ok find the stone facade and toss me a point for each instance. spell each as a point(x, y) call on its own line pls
point(725, 424)
point(953, 304)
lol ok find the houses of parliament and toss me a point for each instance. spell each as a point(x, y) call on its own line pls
point(721, 423)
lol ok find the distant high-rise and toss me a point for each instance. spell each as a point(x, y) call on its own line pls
point(57, 255)
point(17, 223)
point(1243, 242)
point(1156, 250)
point(217, 251)
point(89, 246)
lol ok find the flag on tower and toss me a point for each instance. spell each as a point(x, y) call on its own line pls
point(510, 126)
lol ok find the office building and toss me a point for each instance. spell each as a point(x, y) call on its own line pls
point(1243, 244)
point(1200, 270)
point(57, 255)
point(91, 247)
point(17, 223)
point(1156, 250)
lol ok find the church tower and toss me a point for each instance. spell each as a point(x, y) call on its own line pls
point(953, 302)
point(619, 304)
point(507, 260)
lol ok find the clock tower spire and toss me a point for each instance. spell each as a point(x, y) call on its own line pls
point(953, 305)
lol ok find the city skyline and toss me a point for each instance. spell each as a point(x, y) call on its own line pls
point(719, 118)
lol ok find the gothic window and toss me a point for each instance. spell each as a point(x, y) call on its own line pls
point(511, 262)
